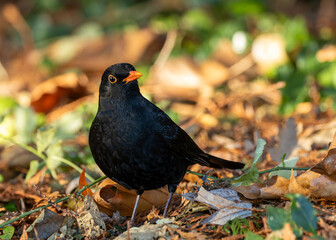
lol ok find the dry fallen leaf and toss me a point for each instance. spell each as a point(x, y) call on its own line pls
point(82, 183)
point(45, 225)
point(112, 197)
point(285, 234)
point(226, 201)
point(148, 231)
point(46, 95)
point(328, 165)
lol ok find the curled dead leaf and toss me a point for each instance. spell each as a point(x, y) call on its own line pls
point(111, 197)
point(278, 189)
point(82, 183)
point(47, 94)
point(296, 187)
point(328, 165)
point(323, 187)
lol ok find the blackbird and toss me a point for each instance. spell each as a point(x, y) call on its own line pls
point(136, 144)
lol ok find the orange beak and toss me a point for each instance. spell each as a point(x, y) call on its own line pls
point(133, 75)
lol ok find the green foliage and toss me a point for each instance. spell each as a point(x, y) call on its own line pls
point(34, 165)
point(327, 77)
point(303, 213)
point(251, 176)
point(245, 7)
point(237, 226)
point(253, 236)
point(277, 217)
point(296, 89)
point(286, 163)
point(301, 216)
point(295, 33)
point(7, 232)
point(10, 206)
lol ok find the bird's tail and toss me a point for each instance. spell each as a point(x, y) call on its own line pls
point(216, 162)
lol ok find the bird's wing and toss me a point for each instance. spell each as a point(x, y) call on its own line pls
point(179, 141)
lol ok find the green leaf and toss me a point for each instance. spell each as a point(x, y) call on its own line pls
point(1, 178)
point(277, 217)
point(295, 33)
point(54, 151)
point(253, 236)
point(7, 232)
point(25, 122)
point(259, 151)
point(10, 206)
point(285, 173)
point(44, 138)
point(327, 77)
point(34, 165)
point(251, 176)
point(303, 212)
point(6, 103)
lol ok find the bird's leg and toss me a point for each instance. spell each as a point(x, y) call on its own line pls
point(167, 204)
point(135, 209)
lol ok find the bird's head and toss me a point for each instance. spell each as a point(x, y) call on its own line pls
point(118, 78)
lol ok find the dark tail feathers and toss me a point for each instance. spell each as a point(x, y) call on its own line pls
point(216, 162)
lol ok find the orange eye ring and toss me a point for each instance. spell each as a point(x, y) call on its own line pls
point(112, 79)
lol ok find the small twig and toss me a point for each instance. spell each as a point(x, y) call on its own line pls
point(25, 214)
point(128, 230)
point(164, 53)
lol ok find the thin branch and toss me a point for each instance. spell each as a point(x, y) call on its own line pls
point(282, 168)
point(260, 172)
point(74, 166)
point(25, 214)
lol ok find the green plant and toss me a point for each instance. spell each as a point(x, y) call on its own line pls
point(301, 216)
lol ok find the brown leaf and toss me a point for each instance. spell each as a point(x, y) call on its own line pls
point(271, 189)
point(112, 197)
point(323, 187)
point(296, 187)
point(328, 165)
point(45, 225)
point(252, 191)
point(278, 189)
point(46, 95)
point(82, 183)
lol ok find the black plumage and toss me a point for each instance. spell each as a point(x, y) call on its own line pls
point(135, 143)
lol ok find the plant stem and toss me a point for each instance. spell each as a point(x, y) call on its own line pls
point(74, 166)
point(44, 158)
point(202, 175)
point(25, 146)
point(282, 168)
point(260, 172)
point(50, 204)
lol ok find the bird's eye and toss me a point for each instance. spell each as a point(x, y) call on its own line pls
point(112, 79)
